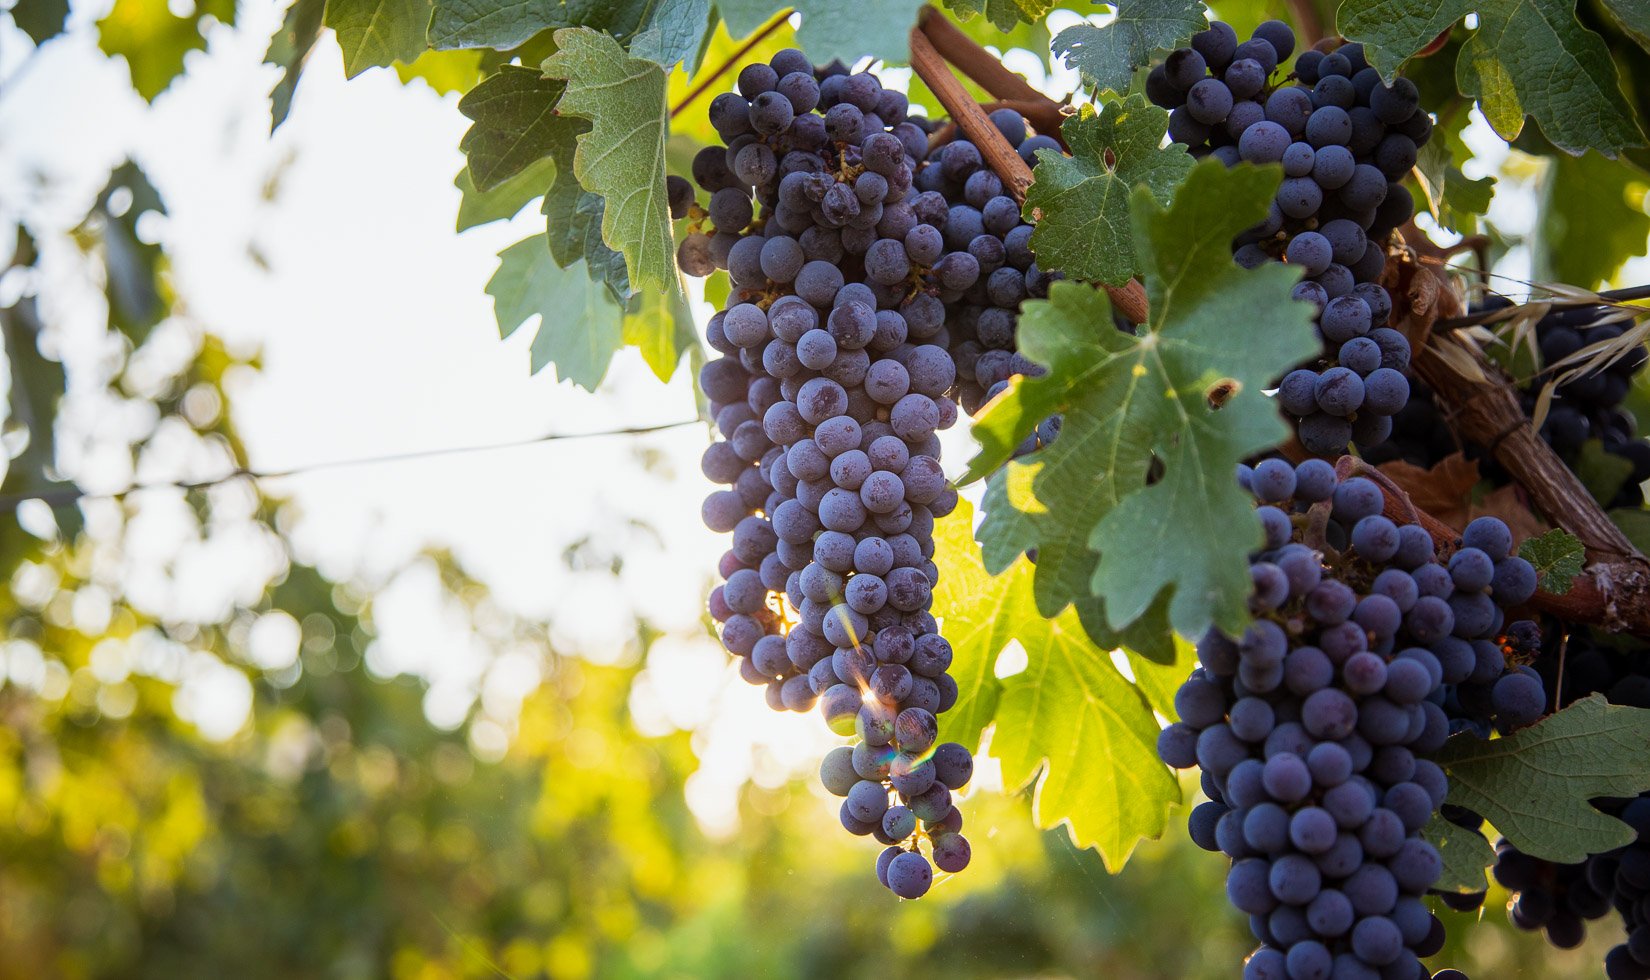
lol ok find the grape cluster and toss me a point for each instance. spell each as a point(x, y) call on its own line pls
point(1313, 727)
point(985, 224)
point(1585, 408)
point(1345, 140)
point(1558, 899)
point(1624, 876)
point(832, 382)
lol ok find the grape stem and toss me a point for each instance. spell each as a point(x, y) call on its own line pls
point(1004, 160)
point(731, 60)
point(987, 71)
point(1482, 405)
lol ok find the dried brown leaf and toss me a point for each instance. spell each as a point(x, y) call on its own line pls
point(1441, 491)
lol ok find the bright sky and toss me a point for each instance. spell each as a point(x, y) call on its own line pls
point(377, 338)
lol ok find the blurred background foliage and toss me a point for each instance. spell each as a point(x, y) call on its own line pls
point(331, 830)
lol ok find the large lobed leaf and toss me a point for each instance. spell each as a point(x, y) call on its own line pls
point(1005, 15)
point(573, 218)
point(1465, 854)
point(289, 50)
point(154, 40)
point(37, 386)
point(664, 33)
point(845, 29)
point(376, 33)
point(1526, 58)
point(579, 328)
point(1131, 399)
point(1070, 722)
point(514, 124)
point(622, 157)
point(1071, 717)
point(132, 268)
point(1109, 55)
point(1634, 18)
point(41, 20)
point(1453, 199)
point(505, 200)
point(1081, 202)
point(582, 321)
point(1535, 784)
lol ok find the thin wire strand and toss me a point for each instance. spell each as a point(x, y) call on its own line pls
point(69, 495)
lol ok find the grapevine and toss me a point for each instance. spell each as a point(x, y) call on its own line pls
point(1185, 439)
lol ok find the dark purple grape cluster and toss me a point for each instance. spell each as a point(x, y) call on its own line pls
point(833, 380)
point(984, 223)
point(1559, 899)
point(1345, 141)
point(1312, 729)
point(1584, 408)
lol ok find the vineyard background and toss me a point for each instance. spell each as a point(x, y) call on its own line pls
point(450, 716)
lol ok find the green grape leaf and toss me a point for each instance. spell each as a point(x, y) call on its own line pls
point(1603, 473)
point(1129, 400)
point(574, 223)
point(1087, 737)
point(573, 219)
point(1149, 636)
point(505, 24)
point(288, 50)
point(514, 124)
point(504, 200)
point(677, 33)
point(1158, 680)
point(1465, 852)
point(41, 20)
point(132, 280)
point(981, 613)
point(444, 72)
point(36, 389)
point(1446, 192)
point(1558, 558)
point(579, 324)
point(846, 29)
point(153, 40)
point(1005, 15)
point(1526, 58)
point(1017, 521)
point(1634, 18)
point(1108, 56)
point(1592, 220)
point(622, 157)
point(1081, 202)
point(376, 33)
point(1534, 785)
point(660, 327)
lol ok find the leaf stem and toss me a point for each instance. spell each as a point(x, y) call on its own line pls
point(730, 61)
